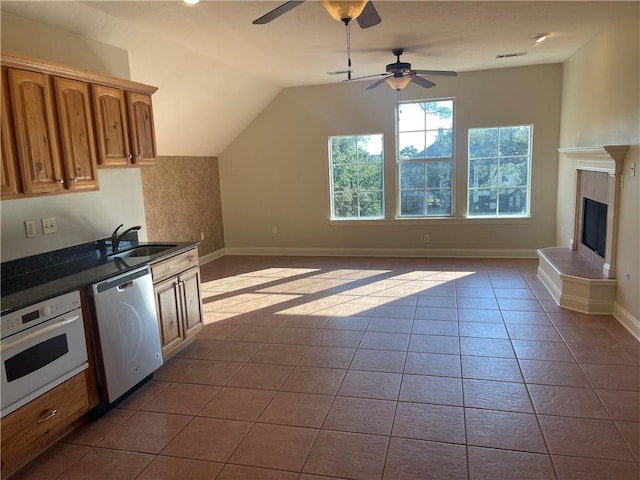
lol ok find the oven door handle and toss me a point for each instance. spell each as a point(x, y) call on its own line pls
point(39, 332)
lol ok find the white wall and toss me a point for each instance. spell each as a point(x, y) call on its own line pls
point(601, 106)
point(81, 217)
point(276, 172)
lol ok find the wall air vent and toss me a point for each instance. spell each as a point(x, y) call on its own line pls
point(509, 55)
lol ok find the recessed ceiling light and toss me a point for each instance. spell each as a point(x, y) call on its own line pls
point(191, 2)
point(540, 37)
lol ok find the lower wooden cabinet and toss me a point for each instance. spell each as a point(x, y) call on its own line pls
point(38, 424)
point(178, 300)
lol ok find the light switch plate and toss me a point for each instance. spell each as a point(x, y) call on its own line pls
point(49, 225)
point(30, 228)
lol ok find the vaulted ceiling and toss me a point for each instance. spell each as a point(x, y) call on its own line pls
point(216, 70)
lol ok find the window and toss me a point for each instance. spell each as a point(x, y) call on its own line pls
point(356, 171)
point(425, 157)
point(499, 166)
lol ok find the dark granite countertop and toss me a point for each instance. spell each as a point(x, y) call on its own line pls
point(33, 279)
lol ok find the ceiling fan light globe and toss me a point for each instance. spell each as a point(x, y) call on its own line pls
point(342, 10)
point(399, 82)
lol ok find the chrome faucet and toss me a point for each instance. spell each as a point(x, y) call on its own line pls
point(116, 239)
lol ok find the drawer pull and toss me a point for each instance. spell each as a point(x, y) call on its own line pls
point(51, 415)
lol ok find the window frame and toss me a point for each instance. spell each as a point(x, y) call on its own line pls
point(498, 187)
point(425, 160)
point(332, 214)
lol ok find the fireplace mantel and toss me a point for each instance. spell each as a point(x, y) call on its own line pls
point(609, 158)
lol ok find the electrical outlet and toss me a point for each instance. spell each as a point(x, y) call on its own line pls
point(426, 239)
point(201, 235)
point(49, 225)
point(30, 228)
point(274, 229)
point(633, 169)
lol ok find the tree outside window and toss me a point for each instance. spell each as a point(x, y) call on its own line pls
point(499, 171)
point(356, 174)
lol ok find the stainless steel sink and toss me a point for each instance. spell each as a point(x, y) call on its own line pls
point(145, 250)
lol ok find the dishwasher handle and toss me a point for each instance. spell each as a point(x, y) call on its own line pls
point(121, 282)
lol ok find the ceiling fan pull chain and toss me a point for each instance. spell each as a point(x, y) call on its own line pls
point(348, 26)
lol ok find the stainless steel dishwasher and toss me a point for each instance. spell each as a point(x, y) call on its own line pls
point(128, 345)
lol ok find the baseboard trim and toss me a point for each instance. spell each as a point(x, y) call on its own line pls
point(383, 252)
point(627, 320)
point(209, 257)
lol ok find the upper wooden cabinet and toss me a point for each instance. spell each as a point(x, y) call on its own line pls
point(36, 134)
point(124, 126)
point(76, 134)
point(59, 124)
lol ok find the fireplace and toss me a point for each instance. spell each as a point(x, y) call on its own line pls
point(594, 226)
point(582, 276)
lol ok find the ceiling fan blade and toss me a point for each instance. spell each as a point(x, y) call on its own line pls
point(423, 82)
point(376, 83)
point(448, 73)
point(369, 76)
point(369, 16)
point(276, 12)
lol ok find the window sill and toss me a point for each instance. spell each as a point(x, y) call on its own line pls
point(434, 221)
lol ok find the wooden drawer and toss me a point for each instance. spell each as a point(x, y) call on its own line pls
point(175, 265)
point(33, 427)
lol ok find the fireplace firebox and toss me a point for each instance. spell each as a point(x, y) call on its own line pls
point(594, 226)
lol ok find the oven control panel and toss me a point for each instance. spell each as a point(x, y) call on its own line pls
point(37, 313)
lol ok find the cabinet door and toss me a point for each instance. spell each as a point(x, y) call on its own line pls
point(35, 131)
point(143, 140)
point(169, 308)
point(76, 134)
point(192, 317)
point(9, 180)
point(112, 128)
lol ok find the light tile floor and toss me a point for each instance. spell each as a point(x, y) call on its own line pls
point(375, 368)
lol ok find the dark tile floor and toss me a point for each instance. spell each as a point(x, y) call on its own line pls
point(375, 368)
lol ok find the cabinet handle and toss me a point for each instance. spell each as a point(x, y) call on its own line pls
point(74, 180)
point(129, 156)
point(49, 417)
point(59, 181)
point(138, 156)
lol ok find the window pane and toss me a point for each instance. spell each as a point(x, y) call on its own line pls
point(482, 201)
point(483, 173)
point(439, 114)
point(438, 174)
point(343, 150)
point(369, 148)
point(371, 204)
point(483, 142)
point(412, 145)
point(440, 144)
point(412, 203)
point(370, 176)
point(513, 201)
point(514, 172)
point(439, 202)
point(412, 175)
point(345, 205)
point(514, 141)
point(344, 177)
point(411, 116)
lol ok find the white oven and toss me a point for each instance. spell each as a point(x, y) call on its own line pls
point(41, 346)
